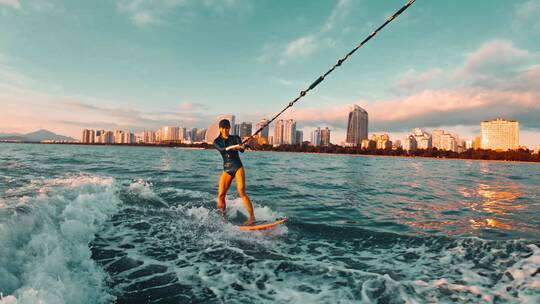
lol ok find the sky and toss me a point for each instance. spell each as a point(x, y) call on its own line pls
point(143, 64)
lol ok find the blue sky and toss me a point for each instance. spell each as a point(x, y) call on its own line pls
point(138, 64)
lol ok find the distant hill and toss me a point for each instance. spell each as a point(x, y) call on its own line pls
point(36, 136)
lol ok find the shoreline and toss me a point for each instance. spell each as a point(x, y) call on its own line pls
point(407, 156)
point(209, 147)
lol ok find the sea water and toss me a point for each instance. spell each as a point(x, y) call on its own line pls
point(106, 224)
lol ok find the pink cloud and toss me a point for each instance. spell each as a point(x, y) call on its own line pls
point(412, 80)
point(12, 3)
point(491, 54)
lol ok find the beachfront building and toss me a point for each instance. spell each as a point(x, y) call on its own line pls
point(357, 126)
point(148, 137)
point(381, 141)
point(285, 132)
point(316, 137)
point(169, 134)
point(409, 143)
point(245, 129)
point(264, 132)
point(88, 136)
point(212, 132)
point(325, 137)
point(128, 138)
point(444, 141)
point(469, 144)
point(368, 144)
point(299, 138)
point(422, 138)
point(201, 133)
point(499, 134)
point(118, 136)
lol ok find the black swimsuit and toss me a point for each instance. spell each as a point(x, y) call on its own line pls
point(231, 159)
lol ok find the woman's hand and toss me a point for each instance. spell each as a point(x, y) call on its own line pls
point(234, 148)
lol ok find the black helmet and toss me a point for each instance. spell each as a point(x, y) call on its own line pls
point(224, 123)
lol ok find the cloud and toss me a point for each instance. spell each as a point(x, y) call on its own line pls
point(413, 80)
point(483, 93)
point(13, 3)
point(143, 12)
point(306, 45)
point(192, 106)
point(526, 16)
point(339, 13)
point(492, 55)
point(302, 47)
point(148, 12)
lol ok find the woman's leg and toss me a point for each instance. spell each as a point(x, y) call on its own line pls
point(241, 183)
point(224, 184)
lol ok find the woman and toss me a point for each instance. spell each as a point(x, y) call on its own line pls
point(229, 145)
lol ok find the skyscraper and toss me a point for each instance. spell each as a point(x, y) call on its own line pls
point(88, 136)
point(357, 126)
point(148, 137)
point(299, 137)
point(444, 141)
point(278, 132)
point(422, 138)
point(499, 134)
point(169, 134)
point(325, 136)
point(316, 137)
point(118, 136)
point(264, 132)
point(245, 129)
point(285, 132)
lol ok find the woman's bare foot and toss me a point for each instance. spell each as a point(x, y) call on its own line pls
point(251, 221)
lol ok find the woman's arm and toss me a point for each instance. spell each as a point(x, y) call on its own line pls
point(219, 145)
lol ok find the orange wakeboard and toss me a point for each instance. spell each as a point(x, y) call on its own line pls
point(262, 225)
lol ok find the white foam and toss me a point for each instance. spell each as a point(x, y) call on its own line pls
point(46, 257)
point(144, 190)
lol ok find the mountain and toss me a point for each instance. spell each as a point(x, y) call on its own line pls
point(36, 136)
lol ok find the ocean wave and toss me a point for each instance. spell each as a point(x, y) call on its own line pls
point(45, 256)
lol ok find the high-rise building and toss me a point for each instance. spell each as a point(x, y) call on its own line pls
point(316, 137)
point(382, 141)
point(368, 144)
point(285, 132)
point(201, 133)
point(325, 137)
point(88, 136)
point(118, 136)
point(357, 126)
point(444, 141)
point(169, 134)
point(422, 138)
point(244, 129)
point(148, 137)
point(128, 138)
point(278, 132)
point(469, 144)
point(436, 138)
point(289, 132)
point(213, 130)
point(449, 143)
point(299, 137)
point(499, 134)
point(264, 132)
point(409, 143)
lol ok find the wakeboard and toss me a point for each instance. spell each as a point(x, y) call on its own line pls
point(262, 225)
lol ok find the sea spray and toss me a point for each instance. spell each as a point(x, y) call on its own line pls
point(45, 257)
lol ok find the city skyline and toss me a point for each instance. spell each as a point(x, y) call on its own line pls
point(497, 134)
point(118, 81)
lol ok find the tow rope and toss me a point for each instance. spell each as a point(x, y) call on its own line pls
point(339, 62)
